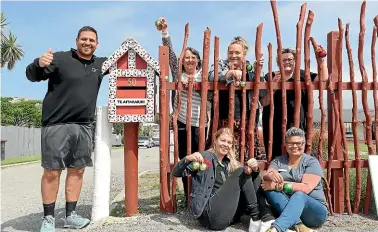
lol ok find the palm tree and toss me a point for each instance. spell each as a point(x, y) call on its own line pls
point(11, 52)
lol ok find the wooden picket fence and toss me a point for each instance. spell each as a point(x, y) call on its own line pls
point(337, 163)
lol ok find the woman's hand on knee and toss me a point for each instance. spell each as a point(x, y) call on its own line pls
point(195, 157)
point(271, 185)
point(273, 175)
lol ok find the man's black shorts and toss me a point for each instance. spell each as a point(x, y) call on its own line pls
point(66, 146)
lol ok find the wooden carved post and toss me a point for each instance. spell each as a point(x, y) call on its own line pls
point(256, 89)
point(176, 113)
point(337, 180)
point(216, 88)
point(280, 65)
point(297, 83)
point(204, 88)
point(339, 58)
point(354, 124)
point(368, 131)
point(309, 87)
point(165, 201)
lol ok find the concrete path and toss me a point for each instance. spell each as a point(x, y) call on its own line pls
point(21, 204)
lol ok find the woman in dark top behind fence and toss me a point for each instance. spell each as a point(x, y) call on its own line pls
point(191, 66)
point(237, 50)
point(224, 190)
point(288, 59)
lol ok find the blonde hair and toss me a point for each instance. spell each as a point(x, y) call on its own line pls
point(234, 164)
point(240, 40)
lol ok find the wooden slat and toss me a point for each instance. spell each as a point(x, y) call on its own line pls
point(131, 110)
point(131, 93)
point(288, 85)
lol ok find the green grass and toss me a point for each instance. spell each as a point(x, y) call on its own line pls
point(362, 147)
point(21, 159)
point(117, 148)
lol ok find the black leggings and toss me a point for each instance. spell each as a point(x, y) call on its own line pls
point(239, 194)
point(182, 143)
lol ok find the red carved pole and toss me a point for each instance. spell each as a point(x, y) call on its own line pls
point(335, 132)
point(271, 110)
point(216, 88)
point(334, 141)
point(375, 83)
point(243, 116)
point(321, 102)
point(342, 128)
point(322, 127)
point(204, 88)
point(131, 168)
point(256, 82)
point(280, 64)
point(176, 113)
point(365, 105)
point(298, 95)
point(165, 201)
point(231, 103)
point(189, 127)
point(309, 87)
point(354, 124)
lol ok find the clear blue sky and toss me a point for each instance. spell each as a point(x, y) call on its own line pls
point(42, 25)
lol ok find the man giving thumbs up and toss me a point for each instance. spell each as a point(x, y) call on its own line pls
point(74, 78)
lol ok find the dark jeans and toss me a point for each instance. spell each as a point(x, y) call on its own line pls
point(298, 208)
point(236, 196)
point(182, 143)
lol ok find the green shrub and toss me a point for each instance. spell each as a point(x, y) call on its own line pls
point(315, 143)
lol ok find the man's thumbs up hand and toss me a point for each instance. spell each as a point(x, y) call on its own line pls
point(46, 58)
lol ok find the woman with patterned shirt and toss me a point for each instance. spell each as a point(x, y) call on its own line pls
point(191, 67)
point(237, 50)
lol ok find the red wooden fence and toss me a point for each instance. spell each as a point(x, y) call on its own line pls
point(337, 164)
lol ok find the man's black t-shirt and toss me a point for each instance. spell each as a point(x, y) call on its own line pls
point(277, 120)
point(73, 85)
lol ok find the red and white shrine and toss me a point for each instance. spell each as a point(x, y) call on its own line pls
point(131, 83)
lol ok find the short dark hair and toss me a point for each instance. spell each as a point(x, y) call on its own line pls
point(196, 53)
point(288, 50)
point(87, 28)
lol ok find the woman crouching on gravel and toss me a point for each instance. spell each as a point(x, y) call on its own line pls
point(222, 189)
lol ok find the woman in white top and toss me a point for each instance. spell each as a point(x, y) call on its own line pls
point(191, 65)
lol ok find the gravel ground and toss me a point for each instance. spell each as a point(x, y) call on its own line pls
point(149, 218)
point(21, 207)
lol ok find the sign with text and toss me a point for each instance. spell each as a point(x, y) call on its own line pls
point(131, 102)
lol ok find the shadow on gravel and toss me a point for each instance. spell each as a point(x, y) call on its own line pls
point(32, 222)
point(184, 218)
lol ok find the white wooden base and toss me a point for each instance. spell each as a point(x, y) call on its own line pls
point(373, 164)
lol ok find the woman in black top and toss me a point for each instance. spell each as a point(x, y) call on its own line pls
point(237, 50)
point(225, 190)
point(288, 59)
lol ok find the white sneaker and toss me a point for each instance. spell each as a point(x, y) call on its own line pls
point(254, 226)
point(265, 225)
